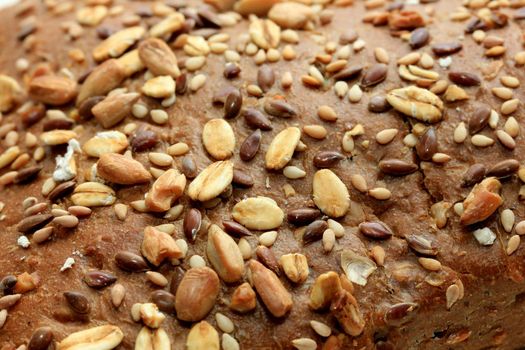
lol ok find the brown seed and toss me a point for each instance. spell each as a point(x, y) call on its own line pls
point(61, 190)
point(188, 167)
point(192, 224)
point(219, 97)
point(57, 124)
point(314, 231)
point(397, 167)
point(99, 279)
point(255, 119)
point(327, 159)
point(399, 314)
point(378, 104)
point(268, 259)
point(374, 75)
point(348, 73)
point(130, 262)
point(33, 115)
point(233, 104)
point(144, 140)
point(7, 284)
point(197, 294)
point(474, 174)
point(84, 110)
point(375, 230)
point(250, 146)
point(427, 144)
point(464, 78)
point(419, 38)
point(27, 174)
point(503, 169)
point(265, 77)
point(164, 300)
point(34, 222)
point(235, 229)
point(446, 49)
point(479, 119)
point(242, 179)
point(302, 216)
point(231, 70)
point(40, 339)
point(421, 245)
point(279, 108)
point(78, 302)
point(181, 84)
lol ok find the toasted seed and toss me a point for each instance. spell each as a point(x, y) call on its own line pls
point(427, 144)
point(314, 231)
point(397, 167)
point(513, 244)
point(218, 139)
point(474, 174)
point(327, 113)
point(330, 193)
point(242, 179)
point(281, 148)
point(302, 216)
point(34, 222)
point(378, 104)
point(374, 75)
point(250, 146)
point(196, 294)
point(104, 337)
point(417, 103)
point(235, 229)
point(446, 49)
point(386, 136)
point(504, 168)
point(268, 259)
point(42, 235)
point(464, 78)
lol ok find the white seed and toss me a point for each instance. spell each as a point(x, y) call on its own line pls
point(290, 36)
point(135, 312)
point(315, 131)
point(39, 153)
point(260, 57)
point(304, 344)
point(197, 82)
point(458, 208)
point(121, 211)
point(512, 127)
point(197, 261)
point(48, 186)
point(174, 212)
point(56, 212)
point(224, 323)
point(335, 226)
point(118, 292)
point(479, 35)
point(160, 159)
point(254, 90)
point(178, 149)
point(231, 56)
point(289, 53)
point(229, 343)
point(381, 55)
point(410, 140)
point(326, 113)
point(520, 228)
point(293, 172)
point(183, 245)
point(505, 139)
point(344, 52)
point(3, 317)
point(286, 80)
point(157, 278)
point(452, 295)
point(26, 203)
point(411, 58)
point(510, 106)
point(359, 44)
point(169, 101)
point(359, 182)
point(273, 55)
point(386, 136)
point(328, 240)
point(347, 143)
point(507, 219)
point(355, 94)
point(316, 74)
point(321, 328)
point(493, 119)
point(441, 158)
point(502, 92)
point(245, 248)
point(513, 244)
point(139, 110)
point(193, 64)
point(460, 133)
point(426, 61)
point(509, 81)
point(430, 264)
point(380, 193)
point(159, 116)
point(341, 88)
point(68, 221)
point(268, 238)
point(480, 140)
